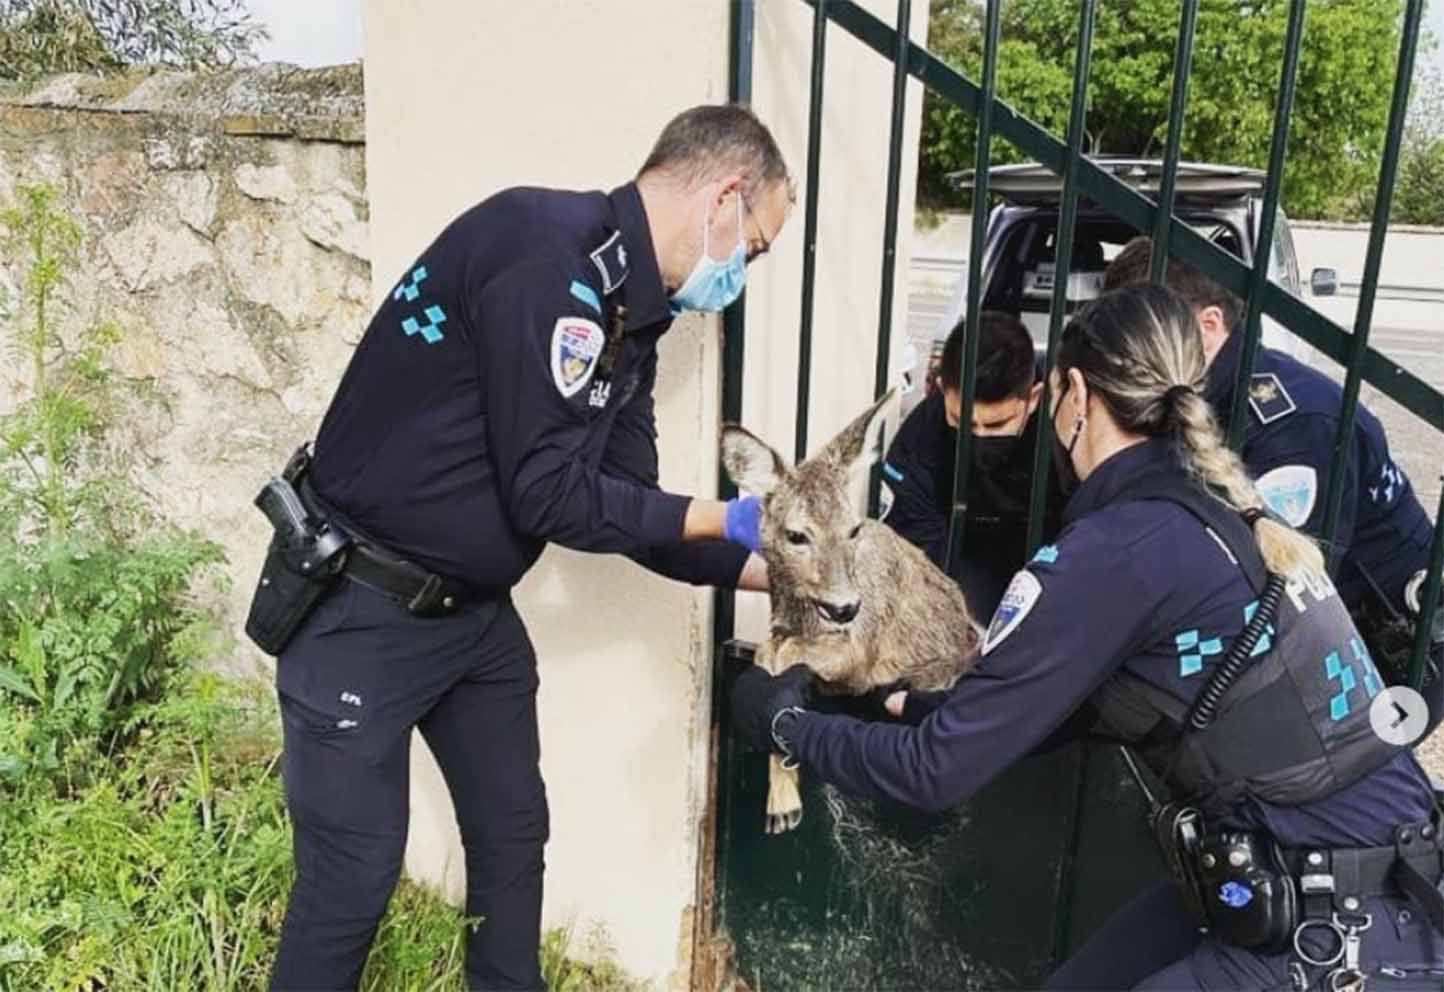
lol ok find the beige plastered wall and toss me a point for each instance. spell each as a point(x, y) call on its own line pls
point(466, 98)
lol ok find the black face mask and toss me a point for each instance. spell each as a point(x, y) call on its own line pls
point(992, 454)
point(1063, 469)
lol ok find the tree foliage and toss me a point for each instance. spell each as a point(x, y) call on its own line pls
point(1340, 108)
point(38, 37)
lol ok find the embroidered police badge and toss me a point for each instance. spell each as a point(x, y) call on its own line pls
point(576, 345)
point(1290, 491)
point(1017, 603)
point(1269, 399)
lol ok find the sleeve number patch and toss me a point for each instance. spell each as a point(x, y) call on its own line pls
point(576, 346)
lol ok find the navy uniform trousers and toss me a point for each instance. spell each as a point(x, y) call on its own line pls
point(355, 680)
point(1153, 945)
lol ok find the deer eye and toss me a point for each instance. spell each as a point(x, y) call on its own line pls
point(855, 531)
point(797, 537)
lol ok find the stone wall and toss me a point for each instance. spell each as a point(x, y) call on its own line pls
point(225, 225)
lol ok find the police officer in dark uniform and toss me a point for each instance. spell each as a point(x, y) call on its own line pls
point(917, 494)
point(1189, 623)
point(1383, 531)
point(501, 399)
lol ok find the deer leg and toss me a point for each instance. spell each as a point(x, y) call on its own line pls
point(784, 795)
point(784, 799)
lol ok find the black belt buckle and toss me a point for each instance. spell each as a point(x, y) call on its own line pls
point(428, 601)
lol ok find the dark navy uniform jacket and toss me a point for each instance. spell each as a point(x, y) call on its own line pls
point(1288, 444)
point(1138, 584)
point(918, 474)
point(482, 415)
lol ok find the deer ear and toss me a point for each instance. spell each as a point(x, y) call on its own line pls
point(861, 436)
point(751, 463)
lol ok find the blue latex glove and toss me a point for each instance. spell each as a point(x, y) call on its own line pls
point(742, 523)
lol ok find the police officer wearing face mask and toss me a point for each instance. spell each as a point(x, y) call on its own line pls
point(501, 399)
point(1383, 535)
point(917, 496)
point(1176, 614)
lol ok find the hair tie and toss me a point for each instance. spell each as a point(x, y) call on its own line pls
point(1174, 394)
point(1252, 515)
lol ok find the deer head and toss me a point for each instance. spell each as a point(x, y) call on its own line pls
point(811, 514)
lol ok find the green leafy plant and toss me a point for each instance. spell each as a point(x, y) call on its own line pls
point(94, 611)
point(1339, 114)
point(38, 37)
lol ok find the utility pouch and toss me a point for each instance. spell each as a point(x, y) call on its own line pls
point(1248, 894)
point(304, 561)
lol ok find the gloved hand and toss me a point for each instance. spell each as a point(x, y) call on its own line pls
point(742, 523)
point(758, 697)
point(913, 706)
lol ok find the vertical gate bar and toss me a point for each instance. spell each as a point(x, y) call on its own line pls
point(1182, 66)
point(1429, 604)
point(809, 226)
point(1062, 267)
point(894, 180)
point(734, 318)
point(1373, 259)
point(1264, 246)
point(969, 370)
point(889, 224)
point(724, 601)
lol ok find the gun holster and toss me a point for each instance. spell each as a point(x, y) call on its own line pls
point(303, 563)
point(1179, 832)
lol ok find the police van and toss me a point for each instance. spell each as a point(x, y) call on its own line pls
point(1223, 203)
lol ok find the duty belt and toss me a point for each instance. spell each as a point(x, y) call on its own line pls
point(1340, 879)
point(423, 592)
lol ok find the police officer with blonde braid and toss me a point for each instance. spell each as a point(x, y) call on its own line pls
point(1176, 614)
point(1381, 543)
point(501, 399)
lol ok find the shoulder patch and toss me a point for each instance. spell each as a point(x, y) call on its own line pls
point(885, 499)
point(1269, 399)
point(1018, 601)
point(576, 345)
point(610, 258)
point(1290, 491)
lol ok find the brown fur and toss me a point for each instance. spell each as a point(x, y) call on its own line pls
point(911, 622)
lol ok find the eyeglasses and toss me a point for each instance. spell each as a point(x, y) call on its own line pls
point(752, 254)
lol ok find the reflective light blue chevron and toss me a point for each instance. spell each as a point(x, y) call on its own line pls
point(436, 316)
point(586, 294)
point(1266, 639)
point(1335, 669)
point(1372, 682)
point(1047, 554)
point(410, 288)
point(1192, 651)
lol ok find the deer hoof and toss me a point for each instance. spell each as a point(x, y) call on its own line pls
point(780, 823)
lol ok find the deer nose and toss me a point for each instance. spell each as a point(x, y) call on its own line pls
point(839, 613)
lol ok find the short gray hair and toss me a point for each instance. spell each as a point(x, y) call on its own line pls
point(703, 142)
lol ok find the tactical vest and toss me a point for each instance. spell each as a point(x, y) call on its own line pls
point(1294, 727)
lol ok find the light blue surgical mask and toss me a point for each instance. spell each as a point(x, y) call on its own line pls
point(713, 284)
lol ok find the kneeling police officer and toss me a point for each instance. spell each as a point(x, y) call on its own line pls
point(500, 399)
point(1175, 614)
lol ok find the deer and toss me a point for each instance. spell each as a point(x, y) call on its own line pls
point(853, 601)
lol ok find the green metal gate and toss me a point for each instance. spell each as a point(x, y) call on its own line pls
point(997, 893)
